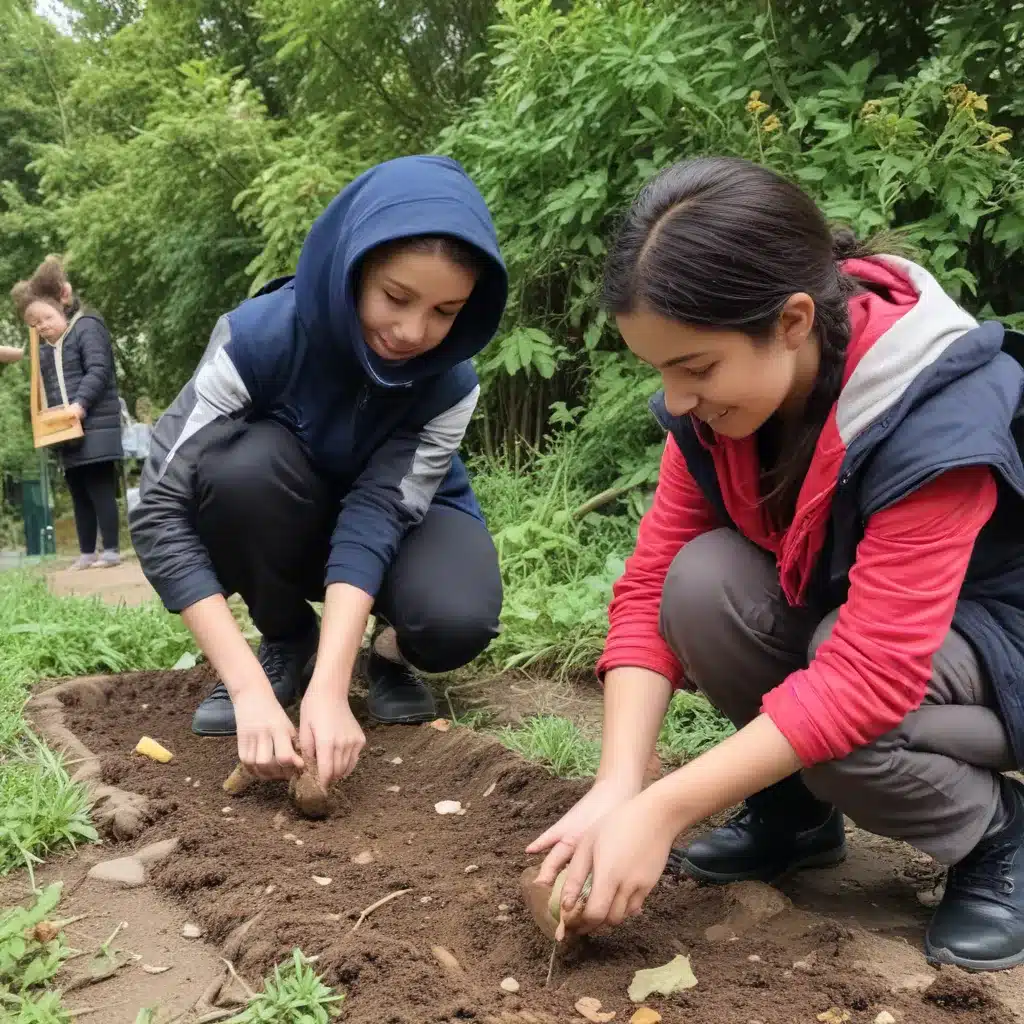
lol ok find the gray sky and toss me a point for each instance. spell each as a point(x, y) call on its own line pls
point(55, 11)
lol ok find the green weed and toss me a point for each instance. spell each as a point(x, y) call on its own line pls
point(294, 994)
point(692, 725)
point(556, 743)
point(29, 959)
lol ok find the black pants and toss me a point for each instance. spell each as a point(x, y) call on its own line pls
point(265, 517)
point(93, 490)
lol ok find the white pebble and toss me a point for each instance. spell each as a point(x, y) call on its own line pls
point(188, 779)
point(885, 1017)
point(269, 889)
point(394, 789)
point(225, 810)
point(195, 785)
point(321, 879)
point(510, 985)
point(503, 907)
point(396, 760)
point(472, 869)
point(754, 958)
point(191, 931)
point(449, 807)
point(426, 899)
point(299, 842)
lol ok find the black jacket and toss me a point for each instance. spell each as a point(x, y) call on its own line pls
point(87, 363)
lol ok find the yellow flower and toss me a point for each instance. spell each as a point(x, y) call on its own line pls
point(756, 107)
point(870, 109)
point(756, 94)
point(771, 124)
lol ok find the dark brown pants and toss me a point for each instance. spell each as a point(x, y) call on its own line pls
point(933, 781)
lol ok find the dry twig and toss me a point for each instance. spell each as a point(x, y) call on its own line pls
point(380, 903)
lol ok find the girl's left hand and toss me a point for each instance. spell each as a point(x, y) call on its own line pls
point(625, 853)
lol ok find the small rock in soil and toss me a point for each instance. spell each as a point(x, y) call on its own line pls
point(885, 1017)
point(446, 959)
point(396, 760)
point(834, 1016)
point(510, 985)
point(472, 869)
point(156, 852)
point(127, 872)
point(289, 836)
point(363, 858)
point(490, 789)
point(269, 889)
point(754, 958)
point(225, 810)
point(502, 919)
point(426, 899)
point(300, 842)
point(150, 969)
point(195, 785)
point(191, 931)
point(807, 963)
point(449, 807)
point(322, 879)
point(503, 908)
point(394, 789)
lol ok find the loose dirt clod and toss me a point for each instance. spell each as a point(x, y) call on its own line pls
point(363, 858)
point(509, 985)
point(309, 797)
point(675, 976)
point(150, 748)
point(590, 1008)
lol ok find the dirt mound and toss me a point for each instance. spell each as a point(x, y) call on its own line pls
point(306, 882)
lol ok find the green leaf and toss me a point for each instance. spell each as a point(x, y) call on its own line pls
point(759, 47)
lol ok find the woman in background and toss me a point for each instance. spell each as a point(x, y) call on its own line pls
point(77, 369)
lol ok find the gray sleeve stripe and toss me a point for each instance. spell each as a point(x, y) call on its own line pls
point(439, 441)
point(219, 392)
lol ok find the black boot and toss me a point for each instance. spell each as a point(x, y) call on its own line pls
point(288, 665)
point(781, 829)
point(979, 925)
point(396, 694)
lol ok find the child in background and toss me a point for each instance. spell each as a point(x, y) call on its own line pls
point(76, 363)
point(833, 556)
point(313, 456)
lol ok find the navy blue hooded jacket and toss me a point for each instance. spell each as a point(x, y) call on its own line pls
point(386, 434)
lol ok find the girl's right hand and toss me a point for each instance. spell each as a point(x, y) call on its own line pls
point(266, 736)
point(564, 836)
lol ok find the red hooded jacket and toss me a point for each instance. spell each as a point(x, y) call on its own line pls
point(910, 566)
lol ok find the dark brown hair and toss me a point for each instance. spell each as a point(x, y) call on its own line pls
point(46, 284)
point(720, 242)
point(461, 253)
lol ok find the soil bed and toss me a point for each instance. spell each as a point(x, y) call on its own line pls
point(259, 859)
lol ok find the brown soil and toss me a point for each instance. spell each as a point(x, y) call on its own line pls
point(234, 867)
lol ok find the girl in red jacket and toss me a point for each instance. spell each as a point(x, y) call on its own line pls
point(832, 557)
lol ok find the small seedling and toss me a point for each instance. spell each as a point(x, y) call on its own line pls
point(294, 992)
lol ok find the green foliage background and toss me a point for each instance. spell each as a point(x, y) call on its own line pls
point(177, 151)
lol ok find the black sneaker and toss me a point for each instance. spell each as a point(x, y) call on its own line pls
point(979, 925)
point(396, 695)
point(781, 829)
point(288, 664)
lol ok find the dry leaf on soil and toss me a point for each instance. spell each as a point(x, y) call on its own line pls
point(645, 1015)
point(149, 969)
point(590, 1008)
point(834, 1016)
point(672, 977)
point(45, 931)
point(441, 724)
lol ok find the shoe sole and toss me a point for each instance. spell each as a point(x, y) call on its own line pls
point(946, 958)
point(402, 720)
point(818, 860)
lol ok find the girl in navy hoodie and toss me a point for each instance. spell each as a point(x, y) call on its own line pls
point(313, 456)
point(833, 556)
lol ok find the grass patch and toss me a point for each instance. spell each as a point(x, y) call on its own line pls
point(43, 636)
point(692, 726)
point(556, 743)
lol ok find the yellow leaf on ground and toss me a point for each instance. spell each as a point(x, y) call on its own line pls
point(672, 977)
point(645, 1015)
point(441, 724)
